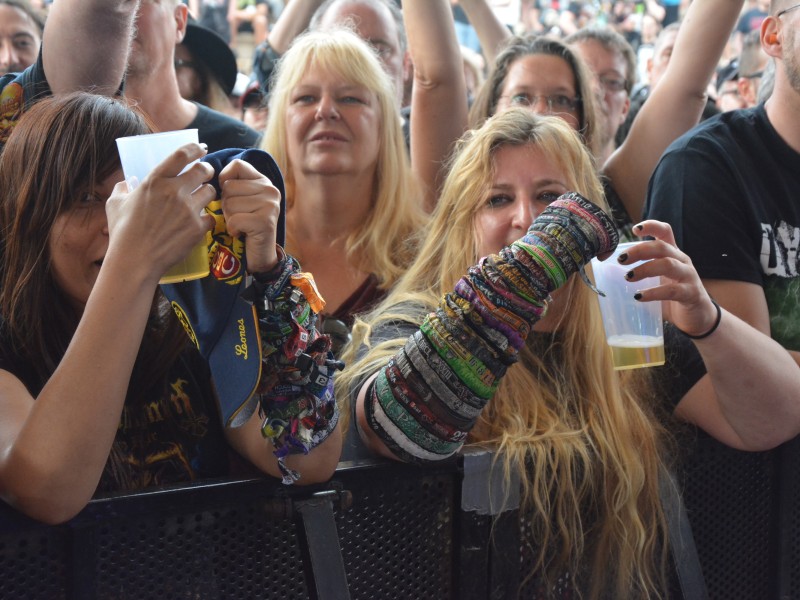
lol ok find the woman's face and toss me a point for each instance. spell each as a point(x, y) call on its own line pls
point(525, 181)
point(332, 126)
point(78, 243)
point(545, 84)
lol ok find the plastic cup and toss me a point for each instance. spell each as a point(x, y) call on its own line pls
point(634, 329)
point(139, 155)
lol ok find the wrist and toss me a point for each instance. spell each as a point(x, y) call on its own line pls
point(271, 274)
point(709, 331)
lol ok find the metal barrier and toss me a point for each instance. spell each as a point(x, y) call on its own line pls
point(377, 530)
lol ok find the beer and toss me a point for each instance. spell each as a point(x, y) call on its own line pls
point(633, 351)
point(193, 266)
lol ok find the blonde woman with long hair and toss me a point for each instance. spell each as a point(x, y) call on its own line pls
point(335, 131)
point(511, 352)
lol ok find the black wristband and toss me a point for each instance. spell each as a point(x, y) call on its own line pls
point(710, 331)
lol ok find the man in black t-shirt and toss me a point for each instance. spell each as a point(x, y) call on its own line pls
point(731, 190)
point(151, 81)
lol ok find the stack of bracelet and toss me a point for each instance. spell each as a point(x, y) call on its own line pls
point(295, 391)
point(425, 401)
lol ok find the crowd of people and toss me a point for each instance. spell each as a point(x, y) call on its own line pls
point(417, 187)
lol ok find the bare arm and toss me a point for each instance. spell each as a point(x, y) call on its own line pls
point(251, 205)
point(315, 467)
point(492, 33)
point(681, 94)
point(755, 379)
point(294, 19)
point(53, 449)
point(439, 99)
point(86, 44)
point(748, 399)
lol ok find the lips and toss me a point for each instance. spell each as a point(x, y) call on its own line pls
point(328, 136)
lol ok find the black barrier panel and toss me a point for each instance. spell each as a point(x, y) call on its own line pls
point(715, 475)
point(33, 559)
point(397, 538)
point(403, 532)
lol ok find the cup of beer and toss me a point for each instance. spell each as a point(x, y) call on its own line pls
point(139, 155)
point(634, 329)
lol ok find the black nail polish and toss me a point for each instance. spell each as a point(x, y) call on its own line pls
point(629, 275)
point(637, 296)
point(638, 227)
point(622, 257)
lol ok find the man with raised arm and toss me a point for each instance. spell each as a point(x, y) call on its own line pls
point(84, 47)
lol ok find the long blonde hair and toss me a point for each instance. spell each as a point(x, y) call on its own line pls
point(377, 246)
point(580, 433)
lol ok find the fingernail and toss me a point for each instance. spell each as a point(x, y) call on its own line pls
point(629, 275)
point(204, 146)
point(637, 296)
point(638, 227)
point(622, 257)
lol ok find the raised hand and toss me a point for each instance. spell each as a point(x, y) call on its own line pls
point(686, 303)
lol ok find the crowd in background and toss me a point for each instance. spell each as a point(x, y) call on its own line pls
point(448, 168)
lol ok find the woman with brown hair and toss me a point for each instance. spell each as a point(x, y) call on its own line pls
point(100, 388)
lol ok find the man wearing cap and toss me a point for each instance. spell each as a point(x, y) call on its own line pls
point(152, 81)
point(63, 65)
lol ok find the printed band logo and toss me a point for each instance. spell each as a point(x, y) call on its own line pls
point(184, 319)
point(12, 101)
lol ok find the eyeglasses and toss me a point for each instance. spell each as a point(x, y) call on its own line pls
point(754, 75)
point(184, 63)
point(785, 10)
point(612, 84)
point(556, 103)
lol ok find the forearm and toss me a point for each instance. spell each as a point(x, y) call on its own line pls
point(297, 409)
point(492, 34)
point(439, 102)
point(292, 22)
point(681, 93)
point(315, 467)
point(756, 382)
point(86, 44)
point(52, 468)
point(424, 402)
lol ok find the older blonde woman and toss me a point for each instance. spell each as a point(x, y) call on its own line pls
point(335, 131)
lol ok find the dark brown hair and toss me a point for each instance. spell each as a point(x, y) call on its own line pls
point(59, 150)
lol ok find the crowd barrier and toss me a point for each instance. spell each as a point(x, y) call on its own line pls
point(377, 530)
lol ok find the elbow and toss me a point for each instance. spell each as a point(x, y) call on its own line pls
point(41, 493)
point(50, 509)
point(55, 515)
point(319, 465)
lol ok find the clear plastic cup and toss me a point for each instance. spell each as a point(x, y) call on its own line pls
point(634, 329)
point(139, 155)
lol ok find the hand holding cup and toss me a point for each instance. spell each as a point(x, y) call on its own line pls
point(686, 303)
point(160, 221)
